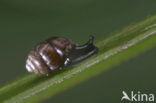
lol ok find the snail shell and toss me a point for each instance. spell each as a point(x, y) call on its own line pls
point(56, 53)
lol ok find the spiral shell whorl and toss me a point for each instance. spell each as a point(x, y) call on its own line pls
point(48, 55)
point(36, 64)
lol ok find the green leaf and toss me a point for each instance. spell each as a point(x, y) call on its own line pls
point(113, 50)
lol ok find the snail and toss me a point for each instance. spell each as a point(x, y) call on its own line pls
point(57, 53)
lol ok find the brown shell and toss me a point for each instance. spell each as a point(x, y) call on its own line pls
point(65, 45)
point(58, 52)
point(49, 55)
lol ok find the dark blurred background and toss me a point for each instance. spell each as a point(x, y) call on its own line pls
point(25, 23)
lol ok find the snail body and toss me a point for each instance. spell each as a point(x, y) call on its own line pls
point(56, 53)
